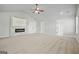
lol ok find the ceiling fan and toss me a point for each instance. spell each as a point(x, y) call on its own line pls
point(37, 10)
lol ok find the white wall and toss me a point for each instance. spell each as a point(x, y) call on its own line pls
point(6, 29)
point(67, 26)
point(32, 26)
point(4, 25)
point(77, 19)
point(48, 27)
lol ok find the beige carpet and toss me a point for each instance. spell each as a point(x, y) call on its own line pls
point(39, 44)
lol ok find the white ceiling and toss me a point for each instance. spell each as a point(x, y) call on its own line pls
point(51, 11)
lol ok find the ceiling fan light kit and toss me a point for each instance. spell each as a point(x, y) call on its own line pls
point(37, 10)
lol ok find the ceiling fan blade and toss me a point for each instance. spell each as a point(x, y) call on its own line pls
point(41, 10)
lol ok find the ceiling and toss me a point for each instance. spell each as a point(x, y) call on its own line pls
point(51, 11)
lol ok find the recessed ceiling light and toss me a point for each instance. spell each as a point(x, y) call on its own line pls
point(61, 13)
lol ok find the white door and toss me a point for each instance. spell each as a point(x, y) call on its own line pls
point(65, 27)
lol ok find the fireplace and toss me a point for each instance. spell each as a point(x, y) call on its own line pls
point(18, 30)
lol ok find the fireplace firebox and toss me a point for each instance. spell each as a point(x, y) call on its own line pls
point(18, 30)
